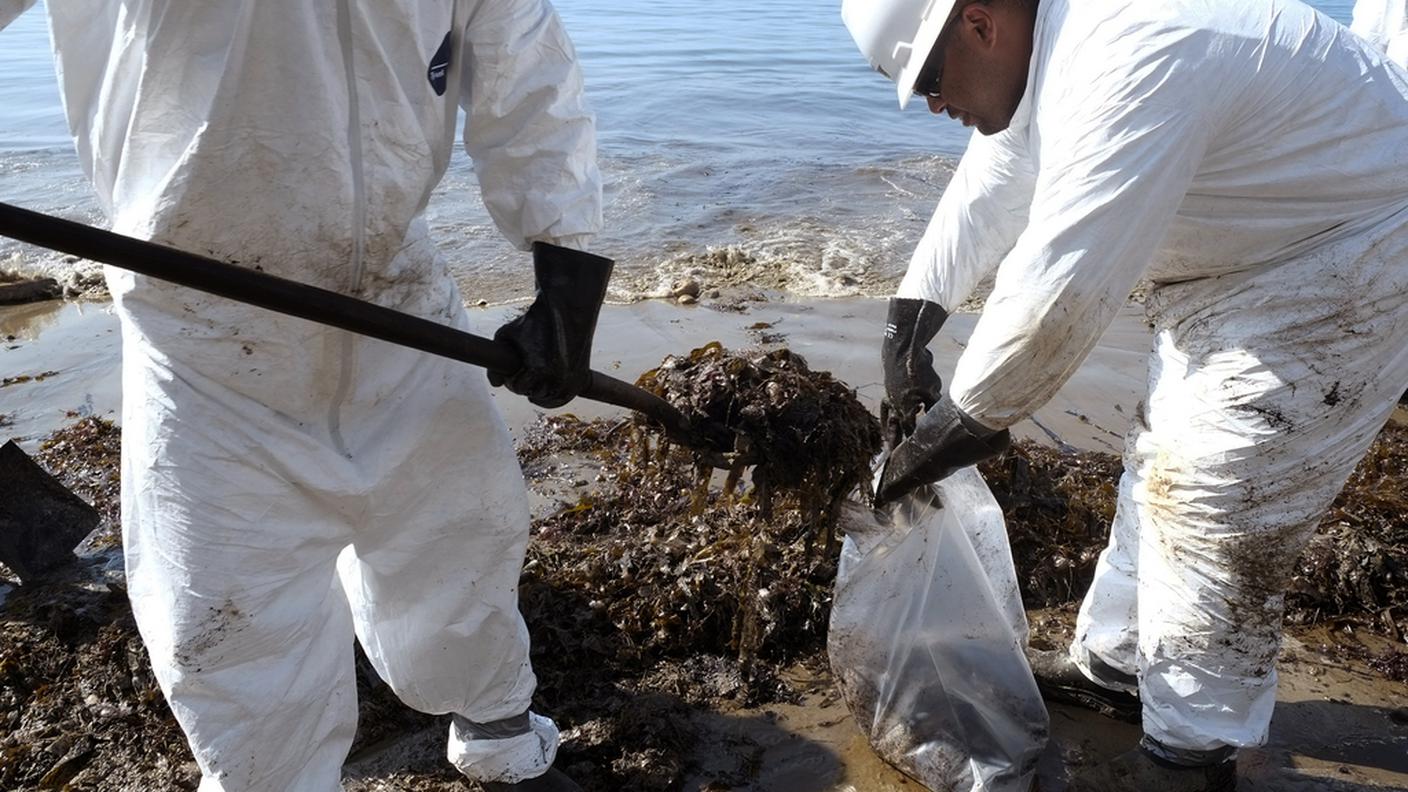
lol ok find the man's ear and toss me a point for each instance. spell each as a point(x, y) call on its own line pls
point(977, 18)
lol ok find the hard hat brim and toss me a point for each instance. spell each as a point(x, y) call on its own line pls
point(925, 38)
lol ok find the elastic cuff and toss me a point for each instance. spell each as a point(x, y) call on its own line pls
point(495, 730)
point(507, 760)
point(571, 241)
point(1182, 757)
point(973, 425)
point(917, 289)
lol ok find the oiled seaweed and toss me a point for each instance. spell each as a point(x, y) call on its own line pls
point(805, 432)
point(1355, 569)
point(646, 603)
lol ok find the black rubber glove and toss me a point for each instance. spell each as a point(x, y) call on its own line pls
point(944, 440)
point(554, 336)
point(911, 384)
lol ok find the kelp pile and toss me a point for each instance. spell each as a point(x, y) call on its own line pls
point(79, 707)
point(650, 598)
point(85, 456)
point(670, 588)
point(1355, 570)
point(806, 434)
point(669, 574)
point(1058, 508)
point(679, 563)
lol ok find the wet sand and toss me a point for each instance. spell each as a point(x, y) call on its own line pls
point(81, 343)
point(1339, 726)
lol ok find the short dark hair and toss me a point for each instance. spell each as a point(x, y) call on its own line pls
point(1028, 3)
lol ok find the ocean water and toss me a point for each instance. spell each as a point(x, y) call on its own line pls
point(741, 139)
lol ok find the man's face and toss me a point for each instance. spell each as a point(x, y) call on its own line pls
point(977, 72)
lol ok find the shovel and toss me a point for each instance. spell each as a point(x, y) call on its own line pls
point(41, 521)
point(336, 310)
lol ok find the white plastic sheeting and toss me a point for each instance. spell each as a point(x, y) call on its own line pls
point(304, 140)
point(1248, 160)
point(927, 637)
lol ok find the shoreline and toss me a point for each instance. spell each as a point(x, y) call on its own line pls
point(70, 351)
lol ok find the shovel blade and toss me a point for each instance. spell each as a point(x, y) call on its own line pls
point(41, 521)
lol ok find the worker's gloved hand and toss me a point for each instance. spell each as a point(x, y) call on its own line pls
point(944, 440)
point(554, 336)
point(911, 384)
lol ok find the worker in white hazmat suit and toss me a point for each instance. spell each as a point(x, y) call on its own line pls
point(1384, 23)
point(1248, 159)
point(285, 485)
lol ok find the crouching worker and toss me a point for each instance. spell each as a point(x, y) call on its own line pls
point(284, 485)
point(1246, 158)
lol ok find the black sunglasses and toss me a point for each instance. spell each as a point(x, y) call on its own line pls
point(932, 72)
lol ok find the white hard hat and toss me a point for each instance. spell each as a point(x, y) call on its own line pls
point(897, 35)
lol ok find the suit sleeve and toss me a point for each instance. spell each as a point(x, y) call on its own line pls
point(1114, 170)
point(981, 214)
point(529, 131)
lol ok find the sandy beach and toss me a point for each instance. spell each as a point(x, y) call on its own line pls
point(1340, 725)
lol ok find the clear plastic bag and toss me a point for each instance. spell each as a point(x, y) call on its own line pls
point(927, 635)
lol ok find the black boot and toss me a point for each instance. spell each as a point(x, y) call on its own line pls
point(551, 781)
point(1141, 770)
point(1060, 679)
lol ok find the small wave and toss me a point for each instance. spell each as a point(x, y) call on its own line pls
point(829, 269)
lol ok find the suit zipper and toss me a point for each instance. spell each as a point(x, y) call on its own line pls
point(346, 341)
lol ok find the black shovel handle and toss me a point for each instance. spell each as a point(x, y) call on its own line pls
point(305, 302)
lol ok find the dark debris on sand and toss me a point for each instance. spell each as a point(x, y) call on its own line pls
point(1058, 508)
point(659, 595)
point(805, 432)
point(79, 708)
point(671, 591)
point(1355, 570)
point(85, 456)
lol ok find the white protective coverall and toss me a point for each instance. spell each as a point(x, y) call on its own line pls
point(275, 471)
point(1385, 24)
point(1251, 160)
